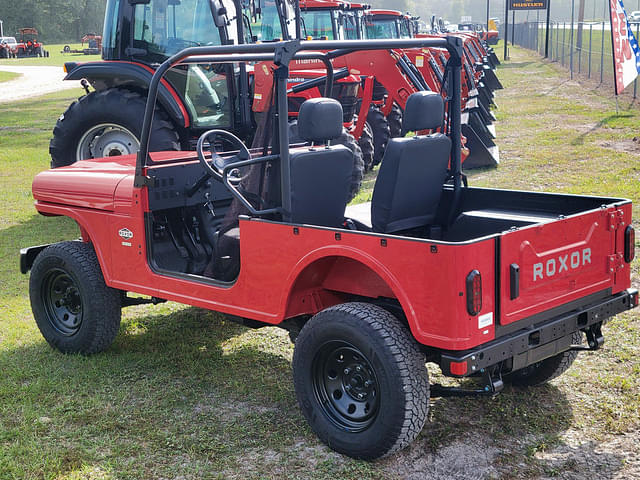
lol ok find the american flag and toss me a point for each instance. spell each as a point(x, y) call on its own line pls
point(626, 52)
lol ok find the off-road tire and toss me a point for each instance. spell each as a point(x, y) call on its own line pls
point(349, 141)
point(116, 106)
point(4, 53)
point(545, 370)
point(388, 357)
point(99, 306)
point(366, 145)
point(395, 121)
point(381, 134)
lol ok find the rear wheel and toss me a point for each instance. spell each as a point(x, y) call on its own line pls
point(361, 380)
point(105, 124)
point(380, 131)
point(545, 370)
point(367, 146)
point(73, 307)
point(395, 121)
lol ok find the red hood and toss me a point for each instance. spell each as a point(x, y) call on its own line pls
point(88, 183)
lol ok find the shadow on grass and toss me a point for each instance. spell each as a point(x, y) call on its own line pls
point(516, 64)
point(186, 382)
point(579, 140)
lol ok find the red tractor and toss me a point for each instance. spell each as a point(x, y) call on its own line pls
point(29, 46)
point(193, 98)
point(501, 286)
point(388, 78)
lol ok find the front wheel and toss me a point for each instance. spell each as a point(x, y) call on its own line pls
point(361, 380)
point(73, 307)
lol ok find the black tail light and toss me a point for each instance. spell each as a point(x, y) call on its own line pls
point(474, 292)
point(629, 244)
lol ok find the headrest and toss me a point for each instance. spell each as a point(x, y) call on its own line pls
point(423, 111)
point(320, 119)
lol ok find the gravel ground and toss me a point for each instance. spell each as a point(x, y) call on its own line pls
point(33, 82)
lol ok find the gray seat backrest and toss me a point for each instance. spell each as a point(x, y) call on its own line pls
point(409, 184)
point(320, 175)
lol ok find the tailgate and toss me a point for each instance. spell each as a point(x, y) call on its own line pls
point(545, 266)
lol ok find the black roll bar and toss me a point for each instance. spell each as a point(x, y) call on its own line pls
point(281, 54)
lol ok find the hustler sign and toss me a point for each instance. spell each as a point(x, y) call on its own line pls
point(528, 5)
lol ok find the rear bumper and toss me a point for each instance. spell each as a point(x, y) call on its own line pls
point(540, 341)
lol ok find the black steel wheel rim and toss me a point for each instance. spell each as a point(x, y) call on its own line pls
point(62, 302)
point(346, 386)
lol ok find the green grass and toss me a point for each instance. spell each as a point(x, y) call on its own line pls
point(6, 76)
point(55, 58)
point(183, 393)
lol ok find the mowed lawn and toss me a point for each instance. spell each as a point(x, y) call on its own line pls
point(183, 393)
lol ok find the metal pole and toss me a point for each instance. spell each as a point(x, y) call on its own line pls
point(488, 18)
point(564, 34)
point(513, 27)
point(602, 57)
point(1, 28)
point(506, 29)
point(579, 49)
point(546, 46)
point(573, 8)
point(635, 82)
point(590, 44)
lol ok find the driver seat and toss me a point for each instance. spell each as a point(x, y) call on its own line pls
point(320, 175)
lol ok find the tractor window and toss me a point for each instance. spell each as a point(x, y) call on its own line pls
point(110, 27)
point(164, 27)
point(318, 24)
point(404, 29)
point(207, 96)
point(268, 26)
point(381, 29)
point(350, 26)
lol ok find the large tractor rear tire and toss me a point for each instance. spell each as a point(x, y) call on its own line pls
point(381, 134)
point(367, 146)
point(349, 141)
point(105, 124)
point(395, 121)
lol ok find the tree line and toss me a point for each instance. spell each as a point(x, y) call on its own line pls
point(57, 21)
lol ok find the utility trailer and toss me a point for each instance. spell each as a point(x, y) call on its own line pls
point(494, 284)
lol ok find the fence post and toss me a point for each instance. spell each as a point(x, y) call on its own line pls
point(590, 43)
point(602, 57)
point(573, 8)
point(564, 30)
point(579, 49)
point(635, 82)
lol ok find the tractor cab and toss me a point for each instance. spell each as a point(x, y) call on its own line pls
point(386, 24)
point(332, 20)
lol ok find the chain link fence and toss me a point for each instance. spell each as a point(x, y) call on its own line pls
point(584, 48)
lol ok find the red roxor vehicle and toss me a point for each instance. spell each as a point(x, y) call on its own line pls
point(495, 284)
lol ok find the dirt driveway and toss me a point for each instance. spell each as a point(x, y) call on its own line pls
point(33, 82)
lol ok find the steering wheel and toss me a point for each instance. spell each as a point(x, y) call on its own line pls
point(218, 163)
